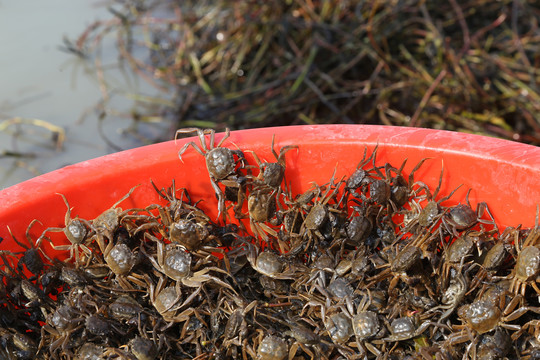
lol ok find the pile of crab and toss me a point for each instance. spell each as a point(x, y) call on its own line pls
point(368, 266)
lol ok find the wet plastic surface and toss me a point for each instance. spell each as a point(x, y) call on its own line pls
point(504, 174)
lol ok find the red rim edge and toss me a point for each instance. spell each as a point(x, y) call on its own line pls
point(504, 174)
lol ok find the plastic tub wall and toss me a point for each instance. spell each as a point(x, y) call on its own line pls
point(504, 174)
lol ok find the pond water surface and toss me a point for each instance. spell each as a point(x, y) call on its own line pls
point(41, 84)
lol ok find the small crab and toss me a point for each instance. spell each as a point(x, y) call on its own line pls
point(358, 226)
point(495, 256)
point(125, 308)
point(269, 263)
point(320, 270)
point(304, 338)
point(189, 233)
point(167, 300)
point(91, 351)
point(174, 262)
point(429, 215)
point(392, 190)
point(272, 348)
point(236, 328)
point(320, 212)
point(61, 324)
point(486, 314)
point(462, 247)
point(220, 161)
point(340, 289)
point(406, 259)
point(360, 178)
point(493, 346)
point(405, 328)
point(462, 217)
point(76, 231)
point(121, 259)
point(142, 348)
point(366, 325)
point(176, 205)
point(272, 174)
point(452, 296)
point(19, 346)
point(261, 209)
point(527, 265)
point(30, 258)
point(339, 326)
point(107, 222)
point(401, 189)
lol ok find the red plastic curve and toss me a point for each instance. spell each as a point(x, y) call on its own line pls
point(504, 174)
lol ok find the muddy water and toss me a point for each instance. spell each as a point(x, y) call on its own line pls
point(39, 81)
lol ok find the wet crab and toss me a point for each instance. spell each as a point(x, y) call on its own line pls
point(359, 225)
point(126, 309)
point(493, 346)
point(262, 209)
point(272, 348)
point(121, 259)
point(304, 338)
point(175, 205)
point(459, 250)
point(339, 327)
point(321, 269)
point(404, 266)
point(174, 262)
point(143, 349)
point(18, 345)
point(167, 300)
point(61, 325)
point(392, 190)
point(462, 217)
point(366, 326)
point(452, 296)
point(193, 231)
point(107, 222)
point(527, 265)
point(320, 213)
point(272, 174)
point(401, 188)
point(76, 231)
point(31, 257)
point(405, 328)
point(431, 213)
point(269, 263)
point(236, 328)
point(495, 257)
point(220, 161)
point(486, 314)
point(360, 178)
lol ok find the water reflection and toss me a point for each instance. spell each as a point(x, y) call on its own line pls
point(43, 85)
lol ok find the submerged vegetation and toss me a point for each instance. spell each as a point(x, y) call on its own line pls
point(463, 66)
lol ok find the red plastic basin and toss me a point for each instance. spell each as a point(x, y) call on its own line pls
point(504, 174)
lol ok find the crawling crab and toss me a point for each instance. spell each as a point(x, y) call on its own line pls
point(272, 348)
point(173, 261)
point(76, 231)
point(269, 263)
point(272, 174)
point(220, 162)
point(488, 313)
point(462, 217)
point(527, 265)
point(31, 257)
